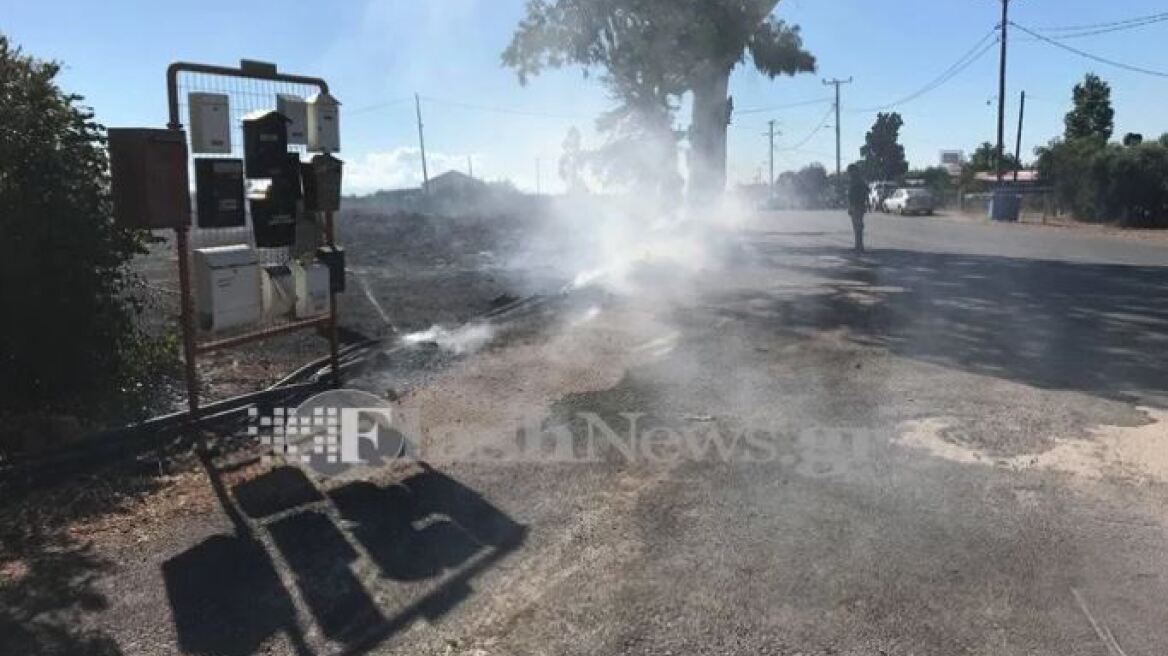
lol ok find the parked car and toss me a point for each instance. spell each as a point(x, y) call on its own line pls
point(909, 200)
point(878, 192)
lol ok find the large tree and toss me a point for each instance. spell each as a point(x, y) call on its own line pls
point(1092, 114)
point(70, 342)
point(882, 153)
point(652, 52)
point(986, 156)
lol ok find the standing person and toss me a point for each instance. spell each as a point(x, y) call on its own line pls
point(857, 204)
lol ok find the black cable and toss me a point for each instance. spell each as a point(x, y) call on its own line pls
point(1109, 30)
point(812, 134)
point(1097, 58)
point(802, 103)
point(501, 110)
point(1093, 26)
point(965, 61)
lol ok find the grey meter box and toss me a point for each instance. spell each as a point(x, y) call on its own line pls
point(324, 129)
point(210, 117)
point(295, 110)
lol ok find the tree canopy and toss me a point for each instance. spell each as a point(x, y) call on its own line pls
point(986, 156)
point(652, 52)
point(1092, 114)
point(882, 153)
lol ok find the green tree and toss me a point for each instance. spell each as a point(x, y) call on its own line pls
point(652, 52)
point(70, 342)
point(936, 179)
point(1092, 114)
point(882, 152)
point(1133, 139)
point(985, 159)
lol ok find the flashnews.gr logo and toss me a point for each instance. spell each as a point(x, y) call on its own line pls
point(332, 431)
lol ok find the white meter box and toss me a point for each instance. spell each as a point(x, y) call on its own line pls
point(295, 110)
point(210, 116)
point(324, 130)
point(228, 287)
point(312, 289)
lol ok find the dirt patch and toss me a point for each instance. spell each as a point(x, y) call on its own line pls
point(1137, 453)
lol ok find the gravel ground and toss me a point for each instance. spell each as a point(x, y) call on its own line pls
point(964, 451)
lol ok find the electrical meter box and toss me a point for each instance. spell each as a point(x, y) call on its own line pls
point(324, 128)
point(273, 222)
point(333, 257)
point(322, 184)
point(312, 289)
point(210, 117)
point(278, 291)
point(295, 110)
point(228, 287)
point(150, 184)
point(288, 184)
point(219, 193)
point(265, 144)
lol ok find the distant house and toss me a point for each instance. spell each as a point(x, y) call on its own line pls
point(1025, 176)
point(455, 183)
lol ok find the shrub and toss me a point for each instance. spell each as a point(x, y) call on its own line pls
point(70, 342)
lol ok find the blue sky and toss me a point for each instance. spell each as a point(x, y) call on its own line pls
point(377, 53)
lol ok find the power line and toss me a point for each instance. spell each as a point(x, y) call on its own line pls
point(811, 135)
point(502, 110)
point(971, 56)
point(803, 103)
point(1109, 30)
point(382, 105)
point(1097, 58)
point(1093, 26)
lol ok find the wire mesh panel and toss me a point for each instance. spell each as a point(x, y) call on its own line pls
point(246, 96)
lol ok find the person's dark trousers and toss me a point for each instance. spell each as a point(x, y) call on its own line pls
point(858, 228)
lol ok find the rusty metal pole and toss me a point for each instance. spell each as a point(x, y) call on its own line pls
point(186, 298)
point(334, 347)
point(182, 248)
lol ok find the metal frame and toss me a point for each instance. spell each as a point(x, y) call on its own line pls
point(191, 348)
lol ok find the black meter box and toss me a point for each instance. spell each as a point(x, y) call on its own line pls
point(219, 193)
point(322, 184)
point(265, 144)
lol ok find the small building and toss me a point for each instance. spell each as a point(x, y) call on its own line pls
point(455, 183)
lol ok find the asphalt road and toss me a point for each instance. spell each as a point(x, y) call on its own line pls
point(955, 444)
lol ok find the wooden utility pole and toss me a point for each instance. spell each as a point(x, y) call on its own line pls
point(1018, 145)
point(422, 145)
point(1001, 164)
point(771, 152)
point(836, 82)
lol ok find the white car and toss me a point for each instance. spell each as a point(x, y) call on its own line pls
point(908, 200)
point(878, 192)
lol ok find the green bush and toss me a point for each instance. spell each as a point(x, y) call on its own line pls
point(70, 342)
point(1098, 181)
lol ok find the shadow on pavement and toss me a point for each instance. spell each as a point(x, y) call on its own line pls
point(50, 593)
point(1096, 328)
point(365, 560)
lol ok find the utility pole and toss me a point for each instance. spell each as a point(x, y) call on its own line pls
point(1002, 93)
point(422, 144)
point(771, 133)
point(538, 188)
point(469, 167)
point(1018, 146)
point(836, 82)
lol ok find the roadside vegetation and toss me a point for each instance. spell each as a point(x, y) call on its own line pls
point(72, 347)
point(1097, 179)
